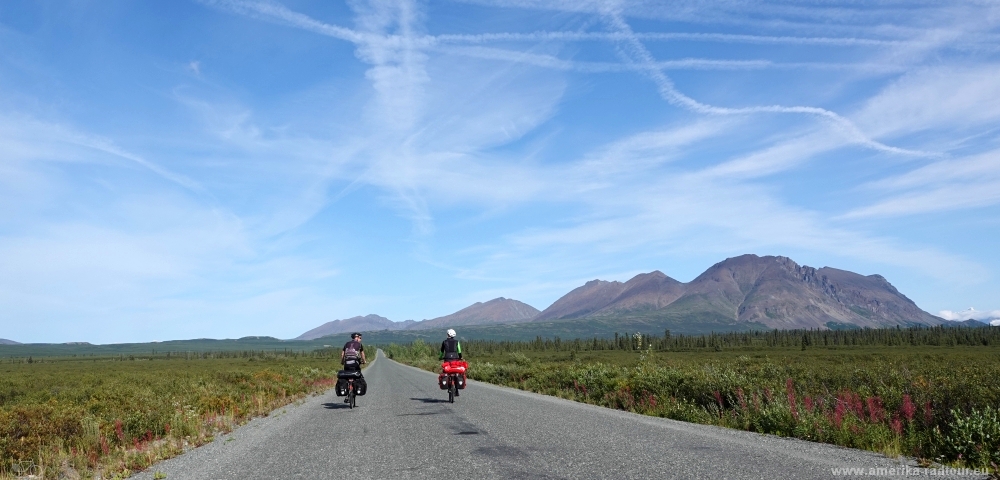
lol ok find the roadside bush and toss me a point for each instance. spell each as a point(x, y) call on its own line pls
point(973, 437)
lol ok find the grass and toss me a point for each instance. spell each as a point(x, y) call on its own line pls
point(936, 403)
point(110, 417)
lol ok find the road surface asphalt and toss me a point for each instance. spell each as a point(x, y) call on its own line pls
point(405, 428)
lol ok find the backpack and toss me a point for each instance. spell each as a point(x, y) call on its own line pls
point(350, 353)
point(351, 356)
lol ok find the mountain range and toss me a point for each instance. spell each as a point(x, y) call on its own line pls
point(739, 293)
point(4, 341)
point(496, 311)
point(773, 291)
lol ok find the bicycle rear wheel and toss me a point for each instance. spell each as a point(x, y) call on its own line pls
point(451, 390)
point(350, 395)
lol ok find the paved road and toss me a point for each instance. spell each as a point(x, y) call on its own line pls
point(404, 428)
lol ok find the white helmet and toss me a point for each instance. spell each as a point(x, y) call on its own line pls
point(451, 333)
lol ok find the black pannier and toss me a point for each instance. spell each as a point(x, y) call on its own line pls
point(360, 386)
point(341, 387)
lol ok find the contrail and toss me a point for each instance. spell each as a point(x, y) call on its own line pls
point(669, 92)
point(108, 147)
point(281, 14)
point(637, 56)
point(556, 63)
point(659, 36)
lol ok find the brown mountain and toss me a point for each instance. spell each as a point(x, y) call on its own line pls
point(354, 324)
point(646, 291)
point(498, 310)
point(772, 291)
point(582, 301)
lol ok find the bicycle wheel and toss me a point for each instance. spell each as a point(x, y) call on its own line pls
point(451, 390)
point(350, 395)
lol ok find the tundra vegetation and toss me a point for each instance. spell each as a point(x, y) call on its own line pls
point(107, 417)
point(929, 393)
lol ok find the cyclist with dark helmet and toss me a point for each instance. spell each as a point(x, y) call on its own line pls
point(352, 356)
point(353, 353)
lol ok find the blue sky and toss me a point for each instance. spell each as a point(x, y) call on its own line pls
point(224, 168)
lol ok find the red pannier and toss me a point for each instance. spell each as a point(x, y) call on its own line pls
point(455, 366)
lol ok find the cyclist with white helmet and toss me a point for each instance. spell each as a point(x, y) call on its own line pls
point(450, 348)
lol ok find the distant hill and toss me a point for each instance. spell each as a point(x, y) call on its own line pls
point(4, 341)
point(646, 291)
point(582, 301)
point(498, 310)
point(354, 324)
point(772, 292)
point(971, 323)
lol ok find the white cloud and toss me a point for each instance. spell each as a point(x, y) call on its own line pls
point(946, 185)
point(971, 314)
point(275, 12)
point(944, 97)
point(28, 139)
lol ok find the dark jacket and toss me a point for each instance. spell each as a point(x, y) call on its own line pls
point(451, 349)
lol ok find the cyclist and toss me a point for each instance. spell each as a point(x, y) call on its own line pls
point(353, 355)
point(451, 349)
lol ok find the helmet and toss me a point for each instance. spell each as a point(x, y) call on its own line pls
point(355, 335)
point(451, 333)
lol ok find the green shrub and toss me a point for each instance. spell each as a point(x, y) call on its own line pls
point(973, 437)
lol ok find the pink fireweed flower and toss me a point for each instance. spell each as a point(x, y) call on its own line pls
point(897, 425)
point(908, 409)
point(808, 401)
point(790, 389)
point(857, 406)
point(838, 413)
point(874, 409)
point(742, 398)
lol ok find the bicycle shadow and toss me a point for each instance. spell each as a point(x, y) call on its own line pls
point(336, 405)
point(430, 400)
